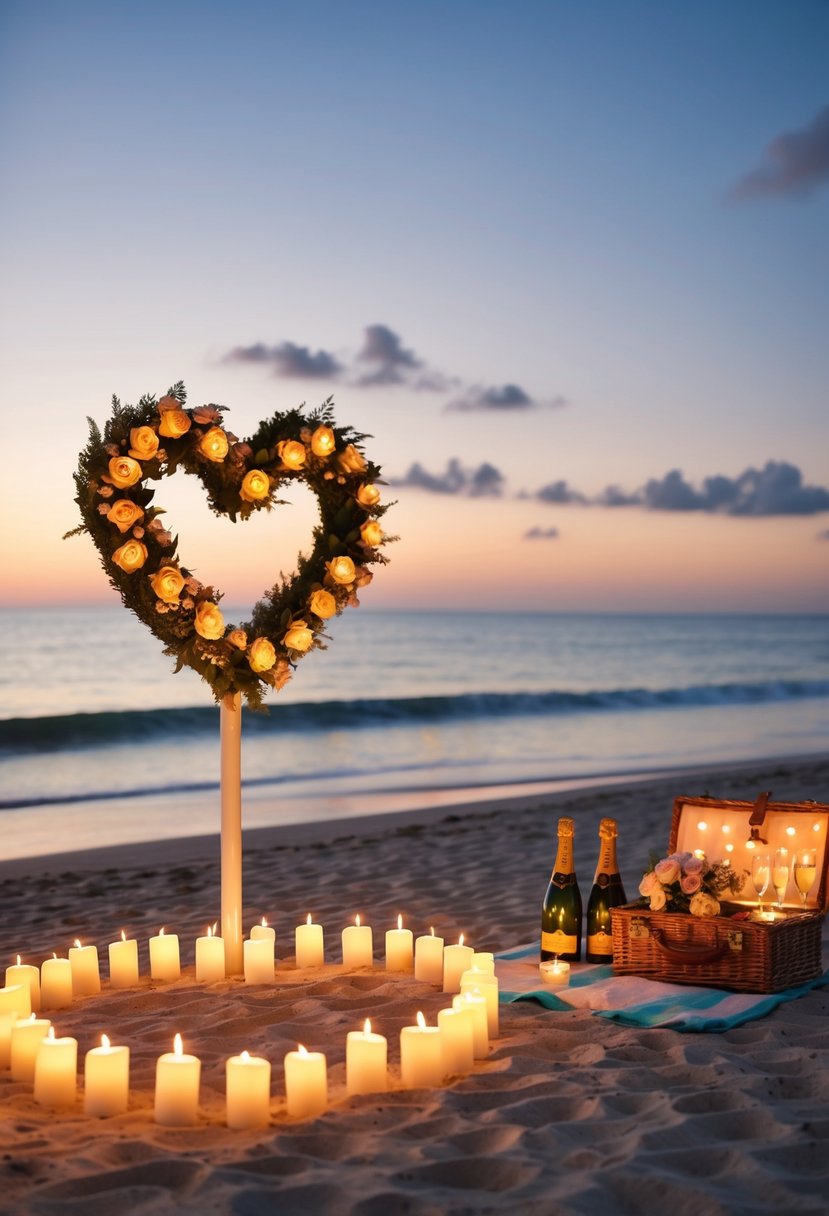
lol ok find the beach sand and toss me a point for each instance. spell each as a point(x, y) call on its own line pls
point(569, 1114)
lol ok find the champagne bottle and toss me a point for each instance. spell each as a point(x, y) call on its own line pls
point(607, 892)
point(561, 910)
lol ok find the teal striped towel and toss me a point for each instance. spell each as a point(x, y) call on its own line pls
point(635, 1001)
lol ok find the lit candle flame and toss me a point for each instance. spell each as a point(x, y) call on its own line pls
point(215, 927)
point(32, 1017)
point(432, 930)
point(54, 955)
point(421, 1021)
point(18, 960)
point(51, 1034)
point(357, 920)
point(367, 1026)
point(460, 940)
point(301, 1050)
point(77, 944)
point(264, 923)
point(105, 1042)
point(209, 930)
point(123, 936)
point(178, 1046)
point(400, 922)
point(308, 920)
point(245, 1056)
point(161, 932)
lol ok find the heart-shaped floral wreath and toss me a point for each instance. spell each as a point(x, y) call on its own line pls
point(151, 440)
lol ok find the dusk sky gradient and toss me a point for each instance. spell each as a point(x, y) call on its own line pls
point(568, 261)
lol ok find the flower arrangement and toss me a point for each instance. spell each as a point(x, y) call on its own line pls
point(143, 444)
point(684, 882)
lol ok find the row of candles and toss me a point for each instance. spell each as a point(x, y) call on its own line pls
point(428, 1055)
point(58, 980)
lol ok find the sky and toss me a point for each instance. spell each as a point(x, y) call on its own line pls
point(566, 263)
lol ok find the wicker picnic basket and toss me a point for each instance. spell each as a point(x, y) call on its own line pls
point(732, 951)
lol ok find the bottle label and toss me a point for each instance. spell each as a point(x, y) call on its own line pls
point(563, 880)
point(599, 943)
point(559, 943)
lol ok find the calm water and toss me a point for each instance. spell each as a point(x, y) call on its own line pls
point(90, 706)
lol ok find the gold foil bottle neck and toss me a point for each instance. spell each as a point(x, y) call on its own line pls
point(608, 829)
point(566, 827)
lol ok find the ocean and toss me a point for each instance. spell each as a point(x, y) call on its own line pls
point(419, 704)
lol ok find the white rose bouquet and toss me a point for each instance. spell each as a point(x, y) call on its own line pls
point(685, 883)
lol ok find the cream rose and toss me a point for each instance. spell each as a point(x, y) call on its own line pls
point(262, 655)
point(299, 637)
point(124, 472)
point(649, 883)
point(238, 638)
point(143, 442)
point(124, 514)
point(667, 871)
point(292, 453)
point(658, 899)
point(168, 584)
point(323, 604)
point(323, 441)
point(342, 570)
point(255, 486)
point(174, 422)
point(371, 533)
point(703, 904)
point(214, 444)
point(352, 461)
point(209, 624)
point(131, 556)
point(368, 495)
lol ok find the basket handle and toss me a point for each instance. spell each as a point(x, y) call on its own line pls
point(689, 955)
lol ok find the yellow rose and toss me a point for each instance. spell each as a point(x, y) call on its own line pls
point(323, 604)
point(371, 533)
point(168, 584)
point(255, 486)
point(210, 624)
point(262, 655)
point(144, 442)
point(292, 453)
point(124, 472)
point(341, 570)
point(213, 444)
point(174, 422)
point(368, 495)
point(352, 461)
point(299, 637)
point(124, 514)
point(131, 556)
point(323, 441)
point(238, 638)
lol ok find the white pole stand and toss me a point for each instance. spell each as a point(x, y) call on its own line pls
point(230, 718)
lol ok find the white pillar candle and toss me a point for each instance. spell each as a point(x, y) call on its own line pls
point(210, 957)
point(263, 930)
point(177, 1079)
point(56, 983)
point(165, 961)
point(366, 1061)
point(123, 962)
point(456, 960)
point(86, 977)
point(106, 1080)
point(15, 1002)
point(476, 1003)
point(399, 948)
point(306, 1083)
point(428, 959)
point(56, 1071)
point(457, 1033)
point(25, 973)
point(248, 1091)
point(27, 1035)
point(258, 960)
point(481, 981)
point(310, 946)
point(358, 945)
point(484, 960)
point(554, 972)
point(421, 1055)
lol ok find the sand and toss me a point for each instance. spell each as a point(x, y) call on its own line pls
point(569, 1114)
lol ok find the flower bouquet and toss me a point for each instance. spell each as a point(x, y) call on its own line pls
point(683, 882)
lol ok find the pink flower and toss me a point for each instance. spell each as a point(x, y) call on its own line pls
point(690, 883)
point(667, 871)
point(694, 865)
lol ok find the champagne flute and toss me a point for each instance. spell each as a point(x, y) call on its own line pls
point(760, 876)
point(805, 872)
point(780, 874)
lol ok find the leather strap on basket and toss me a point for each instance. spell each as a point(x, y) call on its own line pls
point(758, 816)
point(693, 956)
